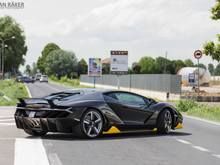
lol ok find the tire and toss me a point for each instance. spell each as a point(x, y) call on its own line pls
point(164, 122)
point(90, 126)
point(35, 133)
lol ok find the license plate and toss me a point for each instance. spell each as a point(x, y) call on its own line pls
point(32, 114)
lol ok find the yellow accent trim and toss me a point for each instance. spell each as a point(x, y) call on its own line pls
point(112, 130)
point(179, 126)
point(115, 130)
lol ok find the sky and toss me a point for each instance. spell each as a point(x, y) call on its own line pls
point(91, 28)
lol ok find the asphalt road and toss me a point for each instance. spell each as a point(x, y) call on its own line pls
point(197, 143)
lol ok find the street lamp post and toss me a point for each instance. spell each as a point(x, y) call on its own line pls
point(2, 53)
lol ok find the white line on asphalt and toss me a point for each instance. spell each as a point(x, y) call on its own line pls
point(4, 117)
point(200, 148)
point(183, 141)
point(6, 120)
point(217, 156)
point(6, 124)
point(30, 152)
point(54, 159)
point(203, 120)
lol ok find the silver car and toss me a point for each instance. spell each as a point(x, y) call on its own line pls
point(43, 78)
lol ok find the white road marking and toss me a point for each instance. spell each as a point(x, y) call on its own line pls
point(6, 120)
point(200, 148)
point(217, 156)
point(203, 120)
point(54, 159)
point(183, 141)
point(4, 117)
point(30, 152)
point(7, 124)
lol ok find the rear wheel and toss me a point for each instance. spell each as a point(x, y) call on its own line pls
point(91, 125)
point(35, 133)
point(164, 123)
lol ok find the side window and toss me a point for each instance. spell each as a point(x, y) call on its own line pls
point(130, 99)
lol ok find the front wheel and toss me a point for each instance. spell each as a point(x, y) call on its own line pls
point(91, 125)
point(35, 133)
point(164, 123)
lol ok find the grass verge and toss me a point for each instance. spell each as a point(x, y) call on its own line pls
point(192, 108)
point(68, 82)
point(10, 92)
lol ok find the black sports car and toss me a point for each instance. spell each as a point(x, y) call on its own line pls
point(92, 112)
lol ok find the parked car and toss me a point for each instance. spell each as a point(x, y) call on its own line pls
point(43, 78)
point(38, 76)
point(25, 79)
point(18, 78)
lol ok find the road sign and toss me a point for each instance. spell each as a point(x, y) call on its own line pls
point(198, 54)
point(192, 78)
point(95, 67)
point(119, 62)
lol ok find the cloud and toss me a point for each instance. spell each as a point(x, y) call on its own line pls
point(141, 26)
point(134, 20)
point(129, 21)
point(48, 29)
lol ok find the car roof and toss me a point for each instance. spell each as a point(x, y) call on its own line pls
point(87, 90)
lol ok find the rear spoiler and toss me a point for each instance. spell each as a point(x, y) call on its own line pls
point(25, 101)
point(28, 101)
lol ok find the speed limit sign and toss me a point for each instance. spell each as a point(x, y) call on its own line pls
point(198, 54)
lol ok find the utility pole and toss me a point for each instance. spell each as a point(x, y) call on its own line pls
point(2, 54)
point(165, 68)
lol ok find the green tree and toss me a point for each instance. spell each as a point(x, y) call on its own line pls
point(217, 70)
point(82, 67)
point(177, 65)
point(136, 69)
point(211, 69)
point(28, 69)
point(210, 48)
point(105, 68)
point(61, 63)
point(34, 69)
point(16, 46)
point(164, 65)
point(201, 66)
point(189, 63)
point(216, 11)
point(41, 62)
point(147, 65)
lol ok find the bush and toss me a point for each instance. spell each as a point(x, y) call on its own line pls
point(204, 111)
point(54, 78)
point(64, 79)
point(186, 105)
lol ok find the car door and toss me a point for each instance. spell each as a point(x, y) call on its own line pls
point(131, 108)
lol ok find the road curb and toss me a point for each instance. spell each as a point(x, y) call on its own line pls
point(28, 91)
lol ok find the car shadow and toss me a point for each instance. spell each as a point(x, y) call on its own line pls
point(72, 137)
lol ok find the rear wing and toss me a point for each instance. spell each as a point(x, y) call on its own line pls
point(24, 102)
point(39, 104)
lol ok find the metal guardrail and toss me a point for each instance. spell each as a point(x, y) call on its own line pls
point(153, 82)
